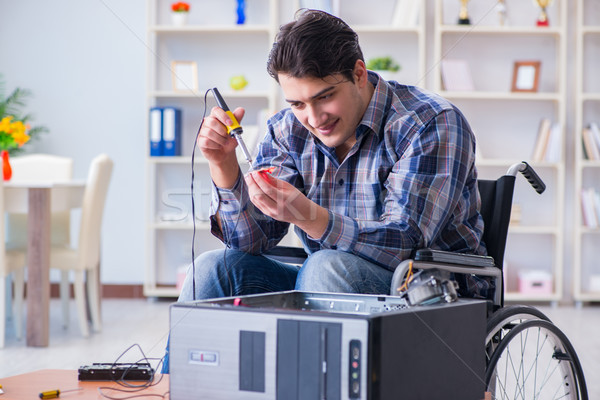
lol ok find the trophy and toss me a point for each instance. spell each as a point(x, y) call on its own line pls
point(463, 16)
point(543, 18)
point(502, 14)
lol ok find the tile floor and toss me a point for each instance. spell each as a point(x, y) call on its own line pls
point(146, 322)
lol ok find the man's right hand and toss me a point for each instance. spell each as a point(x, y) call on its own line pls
point(218, 147)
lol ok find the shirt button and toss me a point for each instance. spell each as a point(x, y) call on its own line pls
point(334, 247)
point(225, 202)
point(341, 182)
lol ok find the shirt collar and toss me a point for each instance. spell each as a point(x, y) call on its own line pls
point(376, 110)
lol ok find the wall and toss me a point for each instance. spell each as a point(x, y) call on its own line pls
point(85, 63)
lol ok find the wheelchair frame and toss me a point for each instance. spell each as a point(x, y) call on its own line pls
point(507, 327)
point(511, 329)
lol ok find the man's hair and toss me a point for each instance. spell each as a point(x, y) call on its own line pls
point(316, 45)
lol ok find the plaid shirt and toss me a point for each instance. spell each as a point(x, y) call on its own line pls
point(409, 182)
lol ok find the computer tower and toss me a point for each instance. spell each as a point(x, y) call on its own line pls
point(307, 346)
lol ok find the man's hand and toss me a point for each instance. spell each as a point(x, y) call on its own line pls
point(283, 202)
point(218, 147)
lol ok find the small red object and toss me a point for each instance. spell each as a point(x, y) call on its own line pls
point(237, 301)
point(6, 169)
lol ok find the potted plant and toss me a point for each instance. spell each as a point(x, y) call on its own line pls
point(179, 13)
point(384, 66)
point(15, 129)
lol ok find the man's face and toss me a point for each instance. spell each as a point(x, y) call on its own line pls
point(330, 108)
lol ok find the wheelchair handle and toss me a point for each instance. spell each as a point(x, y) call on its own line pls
point(528, 172)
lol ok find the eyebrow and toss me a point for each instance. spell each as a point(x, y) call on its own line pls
point(322, 92)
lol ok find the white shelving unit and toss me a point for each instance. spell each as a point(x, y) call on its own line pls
point(587, 172)
point(210, 31)
point(506, 123)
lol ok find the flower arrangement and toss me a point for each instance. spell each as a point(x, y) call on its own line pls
point(15, 129)
point(180, 6)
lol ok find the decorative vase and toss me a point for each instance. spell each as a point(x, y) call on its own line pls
point(179, 18)
point(241, 12)
point(6, 169)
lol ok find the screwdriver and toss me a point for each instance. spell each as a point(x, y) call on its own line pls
point(53, 394)
point(234, 129)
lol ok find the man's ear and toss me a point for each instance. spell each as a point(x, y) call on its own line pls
point(361, 76)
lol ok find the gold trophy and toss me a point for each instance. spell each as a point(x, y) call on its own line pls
point(543, 18)
point(463, 16)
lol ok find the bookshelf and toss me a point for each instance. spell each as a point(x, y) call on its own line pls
point(586, 274)
point(506, 123)
point(211, 27)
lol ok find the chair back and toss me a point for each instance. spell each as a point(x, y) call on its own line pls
point(40, 168)
point(92, 210)
point(496, 205)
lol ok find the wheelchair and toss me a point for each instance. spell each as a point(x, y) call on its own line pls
point(527, 357)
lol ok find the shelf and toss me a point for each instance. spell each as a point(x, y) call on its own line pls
point(520, 297)
point(385, 29)
point(211, 29)
point(475, 95)
point(198, 159)
point(506, 30)
point(166, 94)
point(178, 226)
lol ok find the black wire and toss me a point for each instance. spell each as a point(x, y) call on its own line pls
point(193, 202)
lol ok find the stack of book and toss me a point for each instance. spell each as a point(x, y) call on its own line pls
point(548, 143)
point(591, 141)
point(590, 207)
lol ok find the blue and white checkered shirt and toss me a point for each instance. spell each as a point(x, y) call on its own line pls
point(409, 182)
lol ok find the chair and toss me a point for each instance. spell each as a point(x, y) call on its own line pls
point(11, 262)
point(86, 257)
point(513, 331)
point(36, 168)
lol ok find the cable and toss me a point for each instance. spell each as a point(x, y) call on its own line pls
point(228, 241)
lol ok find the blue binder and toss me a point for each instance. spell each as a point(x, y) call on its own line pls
point(156, 127)
point(171, 131)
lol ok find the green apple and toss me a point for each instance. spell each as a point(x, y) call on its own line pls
point(238, 82)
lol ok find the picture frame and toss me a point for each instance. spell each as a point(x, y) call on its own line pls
point(526, 76)
point(456, 76)
point(184, 76)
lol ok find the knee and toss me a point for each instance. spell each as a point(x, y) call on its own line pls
point(323, 271)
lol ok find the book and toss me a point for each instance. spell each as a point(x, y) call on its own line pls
point(588, 208)
point(554, 147)
point(155, 128)
point(171, 131)
point(595, 134)
point(541, 142)
point(591, 149)
point(406, 13)
point(456, 75)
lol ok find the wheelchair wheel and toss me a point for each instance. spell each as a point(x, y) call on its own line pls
point(503, 320)
point(535, 360)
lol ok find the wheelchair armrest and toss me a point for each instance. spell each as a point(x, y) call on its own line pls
point(287, 254)
point(491, 271)
point(449, 257)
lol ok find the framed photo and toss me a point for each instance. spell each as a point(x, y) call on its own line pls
point(526, 75)
point(184, 75)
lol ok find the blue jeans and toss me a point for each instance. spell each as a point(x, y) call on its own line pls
point(221, 273)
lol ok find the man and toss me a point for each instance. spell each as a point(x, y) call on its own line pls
point(366, 170)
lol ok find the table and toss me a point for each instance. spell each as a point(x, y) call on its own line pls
point(29, 386)
point(39, 200)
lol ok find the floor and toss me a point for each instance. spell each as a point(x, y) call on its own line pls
point(146, 323)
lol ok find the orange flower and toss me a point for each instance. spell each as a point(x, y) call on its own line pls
point(180, 7)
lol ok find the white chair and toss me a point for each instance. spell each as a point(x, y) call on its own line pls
point(86, 257)
point(36, 168)
point(11, 262)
